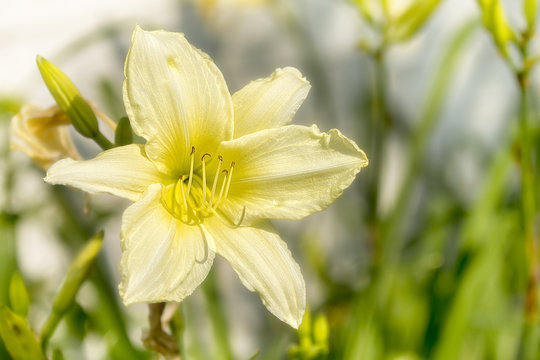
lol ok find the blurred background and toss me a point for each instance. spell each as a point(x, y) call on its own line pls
point(423, 257)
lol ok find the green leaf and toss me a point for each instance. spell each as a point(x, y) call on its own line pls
point(17, 336)
point(7, 254)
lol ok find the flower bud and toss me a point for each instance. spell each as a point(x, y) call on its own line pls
point(494, 19)
point(76, 274)
point(321, 331)
point(123, 134)
point(68, 98)
point(18, 295)
point(43, 135)
point(529, 9)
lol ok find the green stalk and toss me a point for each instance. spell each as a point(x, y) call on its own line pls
point(380, 122)
point(103, 142)
point(219, 323)
point(530, 331)
point(111, 319)
point(528, 203)
point(393, 241)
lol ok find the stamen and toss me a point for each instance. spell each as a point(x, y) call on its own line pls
point(173, 197)
point(231, 224)
point(190, 171)
point(241, 217)
point(211, 203)
point(204, 179)
point(222, 188)
point(228, 181)
point(183, 193)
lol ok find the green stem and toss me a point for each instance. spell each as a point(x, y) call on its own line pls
point(219, 323)
point(528, 203)
point(380, 122)
point(48, 329)
point(111, 319)
point(103, 142)
point(528, 208)
point(393, 225)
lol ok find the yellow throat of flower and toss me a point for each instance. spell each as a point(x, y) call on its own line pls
point(195, 196)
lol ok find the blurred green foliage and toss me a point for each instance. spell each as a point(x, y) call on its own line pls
point(439, 277)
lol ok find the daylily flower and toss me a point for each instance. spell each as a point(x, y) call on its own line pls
point(42, 134)
point(212, 6)
point(213, 170)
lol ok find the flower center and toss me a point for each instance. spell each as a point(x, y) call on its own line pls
point(198, 194)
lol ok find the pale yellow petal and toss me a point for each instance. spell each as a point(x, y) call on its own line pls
point(123, 171)
point(270, 102)
point(289, 172)
point(163, 259)
point(176, 98)
point(265, 265)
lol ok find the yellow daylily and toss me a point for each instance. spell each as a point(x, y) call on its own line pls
point(213, 6)
point(42, 134)
point(213, 170)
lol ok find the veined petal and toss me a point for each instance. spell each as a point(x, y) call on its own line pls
point(265, 265)
point(270, 102)
point(163, 259)
point(289, 172)
point(124, 171)
point(175, 98)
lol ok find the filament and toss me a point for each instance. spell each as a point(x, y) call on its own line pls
point(204, 178)
point(191, 170)
point(215, 181)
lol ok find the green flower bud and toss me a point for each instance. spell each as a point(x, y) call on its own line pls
point(68, 98)
point(320, 330)
point(19, 340)
point(57, 355)
point(76, 274)
point(304, 331)
point(123, 134)
point(365, 9)
point(412, 19)
point(494, 19)
point(529, 9)
point(18, 295)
